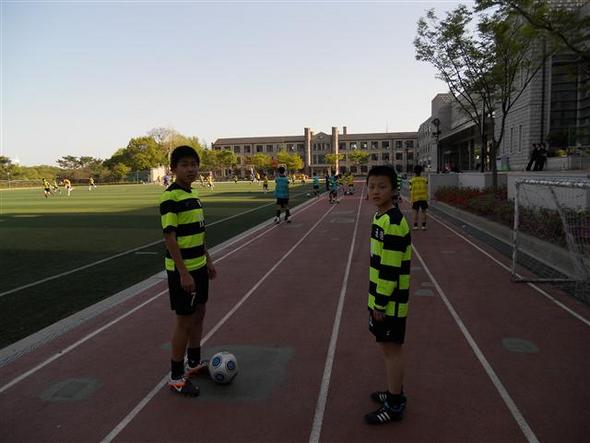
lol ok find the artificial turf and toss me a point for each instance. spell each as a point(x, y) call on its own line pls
point(40, 238)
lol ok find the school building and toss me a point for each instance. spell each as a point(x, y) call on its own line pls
point(395, 148)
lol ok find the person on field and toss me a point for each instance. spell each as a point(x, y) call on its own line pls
point(389, 283)
point(282, 195)
point(46, 188)
point(419, 196)
point(188, 267)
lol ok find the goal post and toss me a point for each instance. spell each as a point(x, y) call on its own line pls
point(551, 236)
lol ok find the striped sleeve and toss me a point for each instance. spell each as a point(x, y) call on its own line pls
point(168, 212)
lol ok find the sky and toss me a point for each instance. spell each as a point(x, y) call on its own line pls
point(83, 78)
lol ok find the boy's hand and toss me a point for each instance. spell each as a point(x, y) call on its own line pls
point(187, 282)
point(378, 315)
point(211, 269)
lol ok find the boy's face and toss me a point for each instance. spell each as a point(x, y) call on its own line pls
point(381, 192)
point(186, 170)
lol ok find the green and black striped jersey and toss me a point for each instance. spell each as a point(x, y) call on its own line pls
point(389, 272)
point(181, 212)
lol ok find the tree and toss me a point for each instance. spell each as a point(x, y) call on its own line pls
point(120, 170)
point(565, 26)
point(141, 153)
point(333, 159)
point(261, 160)
point(68, 162)
point(209, 159)
point(291, 160)
point(487, 65)
point(226, 159)
point(358, 157)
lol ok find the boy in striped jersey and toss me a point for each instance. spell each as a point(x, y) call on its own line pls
point(188, 266)
point(389, 283)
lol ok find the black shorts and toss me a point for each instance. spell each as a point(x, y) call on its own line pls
point(420, 204)
point(282, 201)
point(47, 189)
point(316, 187)
point(391, 329)
point(183, 302)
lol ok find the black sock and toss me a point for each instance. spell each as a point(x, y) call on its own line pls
point(194, 356)
point(423, 223)
point(176, 369)
point(394, 399)
point(287, 214)
point(278, 213)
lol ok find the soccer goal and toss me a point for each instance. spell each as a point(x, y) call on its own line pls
point(551, 237)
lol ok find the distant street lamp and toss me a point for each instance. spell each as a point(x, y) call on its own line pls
point(8, 174)
point(436, 133)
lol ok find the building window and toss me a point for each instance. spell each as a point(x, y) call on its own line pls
point(511, 139)
point(363, 168)
point(353, 169)
point(399, 156)
point(385, 156)
point(321, 158)
point(519, 138)
point(385, 145)
point(342, 146)
point(269, 148)
point(410, 144)
point(239, 160)
point(300, 146)
point(247, 149)
point(353, 145)
point(259, 148)
point(237, 149)
point(374, 157)
point(364, 145)
point(399, 168)
point(374, 145)
point(410, 156)
point(227, 148)
point(398, 144)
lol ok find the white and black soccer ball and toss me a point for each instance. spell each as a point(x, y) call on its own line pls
point(223, 367)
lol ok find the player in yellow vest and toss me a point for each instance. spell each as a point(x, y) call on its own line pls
point(419, 196)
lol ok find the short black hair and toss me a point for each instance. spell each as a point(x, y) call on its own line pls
point(384, 170)
point(418, 169)
point(183, 152)
point(281, 169)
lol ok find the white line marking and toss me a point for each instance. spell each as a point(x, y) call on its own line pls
point(146, 253)
point(76, 344)
point(320, 408)
point(507, 268)
point(98, 262)
point(138, 408)
point(108, 325)
point(516, 414)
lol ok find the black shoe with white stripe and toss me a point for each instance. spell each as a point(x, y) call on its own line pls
point(387, 413)
point(380, 396)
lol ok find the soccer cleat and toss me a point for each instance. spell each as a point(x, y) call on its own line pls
point(387, 413)
point(287, 220)
point(423, 228)
point(379, 396)
point(277, 220)
point(183, 386)
point(194, 371)
point(415, 227)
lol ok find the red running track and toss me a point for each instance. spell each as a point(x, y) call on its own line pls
point(281, 293)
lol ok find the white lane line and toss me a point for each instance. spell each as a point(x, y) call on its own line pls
point(516, 414)
point(120, 254)
point(76, 344)
point(138, 408)
point(320, 408)
point(507, 268)
point(108, 325)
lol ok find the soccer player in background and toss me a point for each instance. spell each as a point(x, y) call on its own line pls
point(265, 183)
point(210, 180)
point(389, 284)
point(282, 195)
point(46, 188)
point(55, 186)
point(67, 185)
point(419, 196)
point(315, 180)
point(91, 184)
point(188, 266)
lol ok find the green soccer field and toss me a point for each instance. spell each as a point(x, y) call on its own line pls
point(41, 238)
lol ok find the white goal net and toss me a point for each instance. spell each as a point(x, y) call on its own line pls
point(551, 238)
